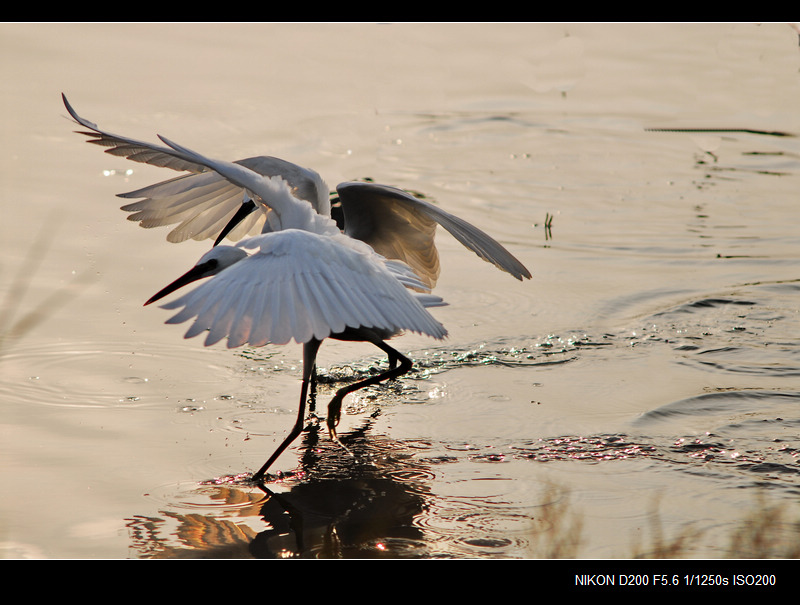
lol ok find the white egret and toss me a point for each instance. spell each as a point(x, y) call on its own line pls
point(305, 286)
point(309, 279)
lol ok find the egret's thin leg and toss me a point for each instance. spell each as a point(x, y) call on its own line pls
point(312, 396)
point(335, 406)
point(309, 356)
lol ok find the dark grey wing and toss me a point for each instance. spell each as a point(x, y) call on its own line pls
point(400, 226)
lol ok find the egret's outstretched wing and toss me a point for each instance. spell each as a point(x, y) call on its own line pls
point(275, 193)
point(301, 285)
point(202, 202)
point(393, 227)
point(137, 151)
point(398, 225)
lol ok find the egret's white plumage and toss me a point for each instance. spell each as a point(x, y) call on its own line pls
point(197, 201)
point(306, 277)
point(300, 285)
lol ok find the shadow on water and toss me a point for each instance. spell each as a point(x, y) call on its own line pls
point(359, 503)
point(372, 502)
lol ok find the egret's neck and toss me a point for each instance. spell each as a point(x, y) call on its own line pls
point(292, 213)
point(323, 202)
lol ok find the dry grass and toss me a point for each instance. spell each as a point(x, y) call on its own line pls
point(14, 324)
point(767, 531)
point(661, 547)
point(560, 536)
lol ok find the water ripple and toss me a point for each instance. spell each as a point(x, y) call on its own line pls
point(100, 374)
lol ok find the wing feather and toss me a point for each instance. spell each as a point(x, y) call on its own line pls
point(400, 226)
point(186, 199)
point(299, 285)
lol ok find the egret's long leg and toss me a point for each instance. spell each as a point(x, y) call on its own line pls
point(394, 371)
point(309, 360)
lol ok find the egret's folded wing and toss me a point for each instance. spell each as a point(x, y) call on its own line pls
point(300, 285)
point(386, 218)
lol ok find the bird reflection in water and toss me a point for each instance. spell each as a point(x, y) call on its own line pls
point(354, 503)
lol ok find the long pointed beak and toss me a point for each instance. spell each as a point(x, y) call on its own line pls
point(197, 272)
point(245, 209)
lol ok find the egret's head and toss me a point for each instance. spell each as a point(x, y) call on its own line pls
point(211, 263)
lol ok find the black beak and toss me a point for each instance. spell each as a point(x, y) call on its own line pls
point(245, 209)
point(197, 272)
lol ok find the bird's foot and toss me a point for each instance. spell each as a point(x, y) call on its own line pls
point(334, 415)
point(334, 412)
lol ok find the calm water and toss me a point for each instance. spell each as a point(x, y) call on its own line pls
point(651, 364)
